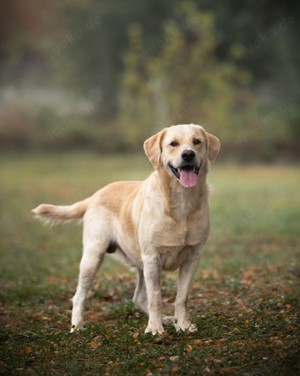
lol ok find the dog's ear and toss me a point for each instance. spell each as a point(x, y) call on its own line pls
point(213, 146)
point(153, 148)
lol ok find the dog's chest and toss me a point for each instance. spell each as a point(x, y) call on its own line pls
point(178, 240)
point(182, 233)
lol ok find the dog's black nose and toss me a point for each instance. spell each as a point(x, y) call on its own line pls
point(188, 155)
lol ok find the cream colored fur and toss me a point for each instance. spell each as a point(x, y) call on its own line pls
point(153, 225)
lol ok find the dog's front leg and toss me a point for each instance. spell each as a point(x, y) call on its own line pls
point(186, 274)
point(152, 274)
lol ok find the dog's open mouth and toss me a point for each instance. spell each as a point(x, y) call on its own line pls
point(187, 175)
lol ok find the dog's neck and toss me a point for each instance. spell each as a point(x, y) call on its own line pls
point(180, 201)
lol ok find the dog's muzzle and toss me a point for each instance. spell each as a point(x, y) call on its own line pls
point(186, 174)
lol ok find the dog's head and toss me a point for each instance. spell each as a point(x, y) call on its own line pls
point(182, 150)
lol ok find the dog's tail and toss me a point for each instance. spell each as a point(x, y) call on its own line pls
point(53, 215)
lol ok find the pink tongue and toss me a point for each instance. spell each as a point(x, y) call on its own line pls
point(188, 178)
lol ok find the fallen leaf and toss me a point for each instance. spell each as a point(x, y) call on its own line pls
point(93, 315)
point(216, 345)
point(228, 369)
point(39, 314)
point(197, 342)
point(248, 276)
point(28, 349)
point(46, 318)
point(95, 345)
point(174, 358)
point(210, 273)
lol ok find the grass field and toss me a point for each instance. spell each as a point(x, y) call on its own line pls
point(245, 299)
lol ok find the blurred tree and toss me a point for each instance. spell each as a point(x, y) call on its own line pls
point(184, 82)
point(80, 45)
point(264, 37)
point(95, 62)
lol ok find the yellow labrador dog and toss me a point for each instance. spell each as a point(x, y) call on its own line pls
point(158, 224)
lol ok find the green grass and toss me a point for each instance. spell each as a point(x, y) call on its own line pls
point(245, 299)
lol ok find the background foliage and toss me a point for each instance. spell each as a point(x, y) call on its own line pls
point(105, 75)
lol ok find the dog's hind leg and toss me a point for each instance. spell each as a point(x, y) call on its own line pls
point(140, 295)
point(90, 263)
point(95, 245)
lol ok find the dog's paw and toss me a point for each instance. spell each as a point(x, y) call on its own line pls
point(155, 329)
point(77, 328)
point(186, 326)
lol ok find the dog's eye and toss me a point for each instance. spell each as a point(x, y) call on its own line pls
point(174, 143)
point(196, 141)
